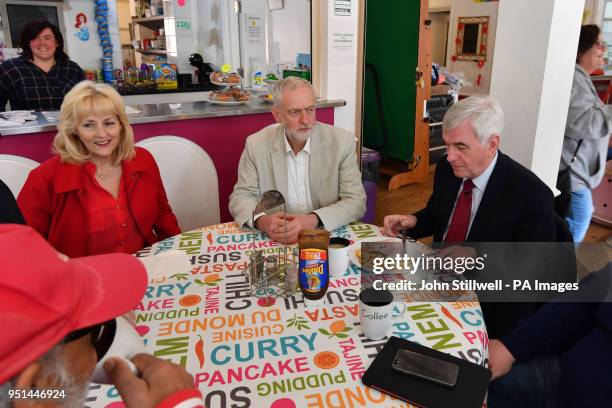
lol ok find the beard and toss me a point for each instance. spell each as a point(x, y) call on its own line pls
point(54, 367)
point(299, 137)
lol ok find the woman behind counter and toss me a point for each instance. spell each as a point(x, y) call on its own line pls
point(99, 193)
point(587, 132)
point(42, 75)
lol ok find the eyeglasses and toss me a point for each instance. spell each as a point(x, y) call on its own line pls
point(295, 113)
point(102, 336)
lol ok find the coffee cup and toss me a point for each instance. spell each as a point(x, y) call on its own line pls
point(117, 339)
point(338, 256)
point(376, 312)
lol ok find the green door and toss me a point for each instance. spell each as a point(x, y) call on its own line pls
point(391, 58)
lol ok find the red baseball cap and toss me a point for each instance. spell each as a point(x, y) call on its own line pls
point(43, 298)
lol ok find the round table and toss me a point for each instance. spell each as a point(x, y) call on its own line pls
point(245, 353)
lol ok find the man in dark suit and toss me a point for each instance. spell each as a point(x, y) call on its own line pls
point(481, 195)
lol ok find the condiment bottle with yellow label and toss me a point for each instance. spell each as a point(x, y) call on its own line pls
point(313, 273)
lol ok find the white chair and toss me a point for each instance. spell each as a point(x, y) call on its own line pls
point(14, 171)
point(190, 180)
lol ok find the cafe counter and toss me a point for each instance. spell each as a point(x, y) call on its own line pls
point(219, 129)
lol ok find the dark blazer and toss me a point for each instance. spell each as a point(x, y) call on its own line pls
point(580, 333)
point(516, 207)
point(9, 212)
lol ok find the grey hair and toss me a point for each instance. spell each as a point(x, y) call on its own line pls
point(288, 83)
point(53, 366)
point(484, 113)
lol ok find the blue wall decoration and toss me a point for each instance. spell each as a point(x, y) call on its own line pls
point(101, 12)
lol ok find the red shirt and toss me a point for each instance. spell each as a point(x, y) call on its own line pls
point(53, 202)
point(111, 227)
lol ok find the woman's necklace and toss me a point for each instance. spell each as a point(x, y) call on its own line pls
point(108, 172)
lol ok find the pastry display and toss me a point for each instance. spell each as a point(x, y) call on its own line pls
point(230, 95)
point(221, 78)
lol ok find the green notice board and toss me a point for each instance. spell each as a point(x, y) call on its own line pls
point(391, 55)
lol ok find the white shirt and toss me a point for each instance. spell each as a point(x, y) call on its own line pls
point(298, 197)
point(480, 184)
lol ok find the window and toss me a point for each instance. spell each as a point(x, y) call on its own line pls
point(14, 14)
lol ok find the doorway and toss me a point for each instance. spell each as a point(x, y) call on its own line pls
point(439, 36)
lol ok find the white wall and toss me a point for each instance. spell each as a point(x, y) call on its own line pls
point(88, 53)
point(340, 65)
point(179, 26)
point(254, 50)
point(593, 12)
point(440, 4)
point(439, 34)
point(533, 83)
point(291, 30)
point(467, 8)
point(208, 30)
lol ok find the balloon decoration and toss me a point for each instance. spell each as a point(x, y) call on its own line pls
point(101, 12)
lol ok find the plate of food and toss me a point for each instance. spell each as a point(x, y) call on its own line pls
point(230, 96)
point(227, 103)
point(266, 98)
point(223, 79)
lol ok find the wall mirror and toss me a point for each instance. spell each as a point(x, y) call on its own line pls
point(472, 38)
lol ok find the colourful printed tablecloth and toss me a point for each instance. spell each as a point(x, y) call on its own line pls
point(245, 354)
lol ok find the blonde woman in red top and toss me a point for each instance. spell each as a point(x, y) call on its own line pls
point(99, 193)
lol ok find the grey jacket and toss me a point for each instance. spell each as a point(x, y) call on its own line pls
point(336, 189)
point(590, 120)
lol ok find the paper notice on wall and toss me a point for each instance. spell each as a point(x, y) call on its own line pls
point(254, 29)
point(342, 8)
point(342, 43)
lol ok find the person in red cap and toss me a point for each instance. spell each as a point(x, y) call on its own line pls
point(50, 309)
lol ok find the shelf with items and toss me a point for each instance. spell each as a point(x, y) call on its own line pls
point(144, 20)
point(151, 51)
point(148, 8)
point(148, 27)
point(150, 22)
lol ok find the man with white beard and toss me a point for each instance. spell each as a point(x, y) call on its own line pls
point(52, 310)
point(312, 164)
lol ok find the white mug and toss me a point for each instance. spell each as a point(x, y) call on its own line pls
point(121, 340)
point(338, 256)
point(376, 312)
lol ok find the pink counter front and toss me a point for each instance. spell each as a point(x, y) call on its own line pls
point(221, 135)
